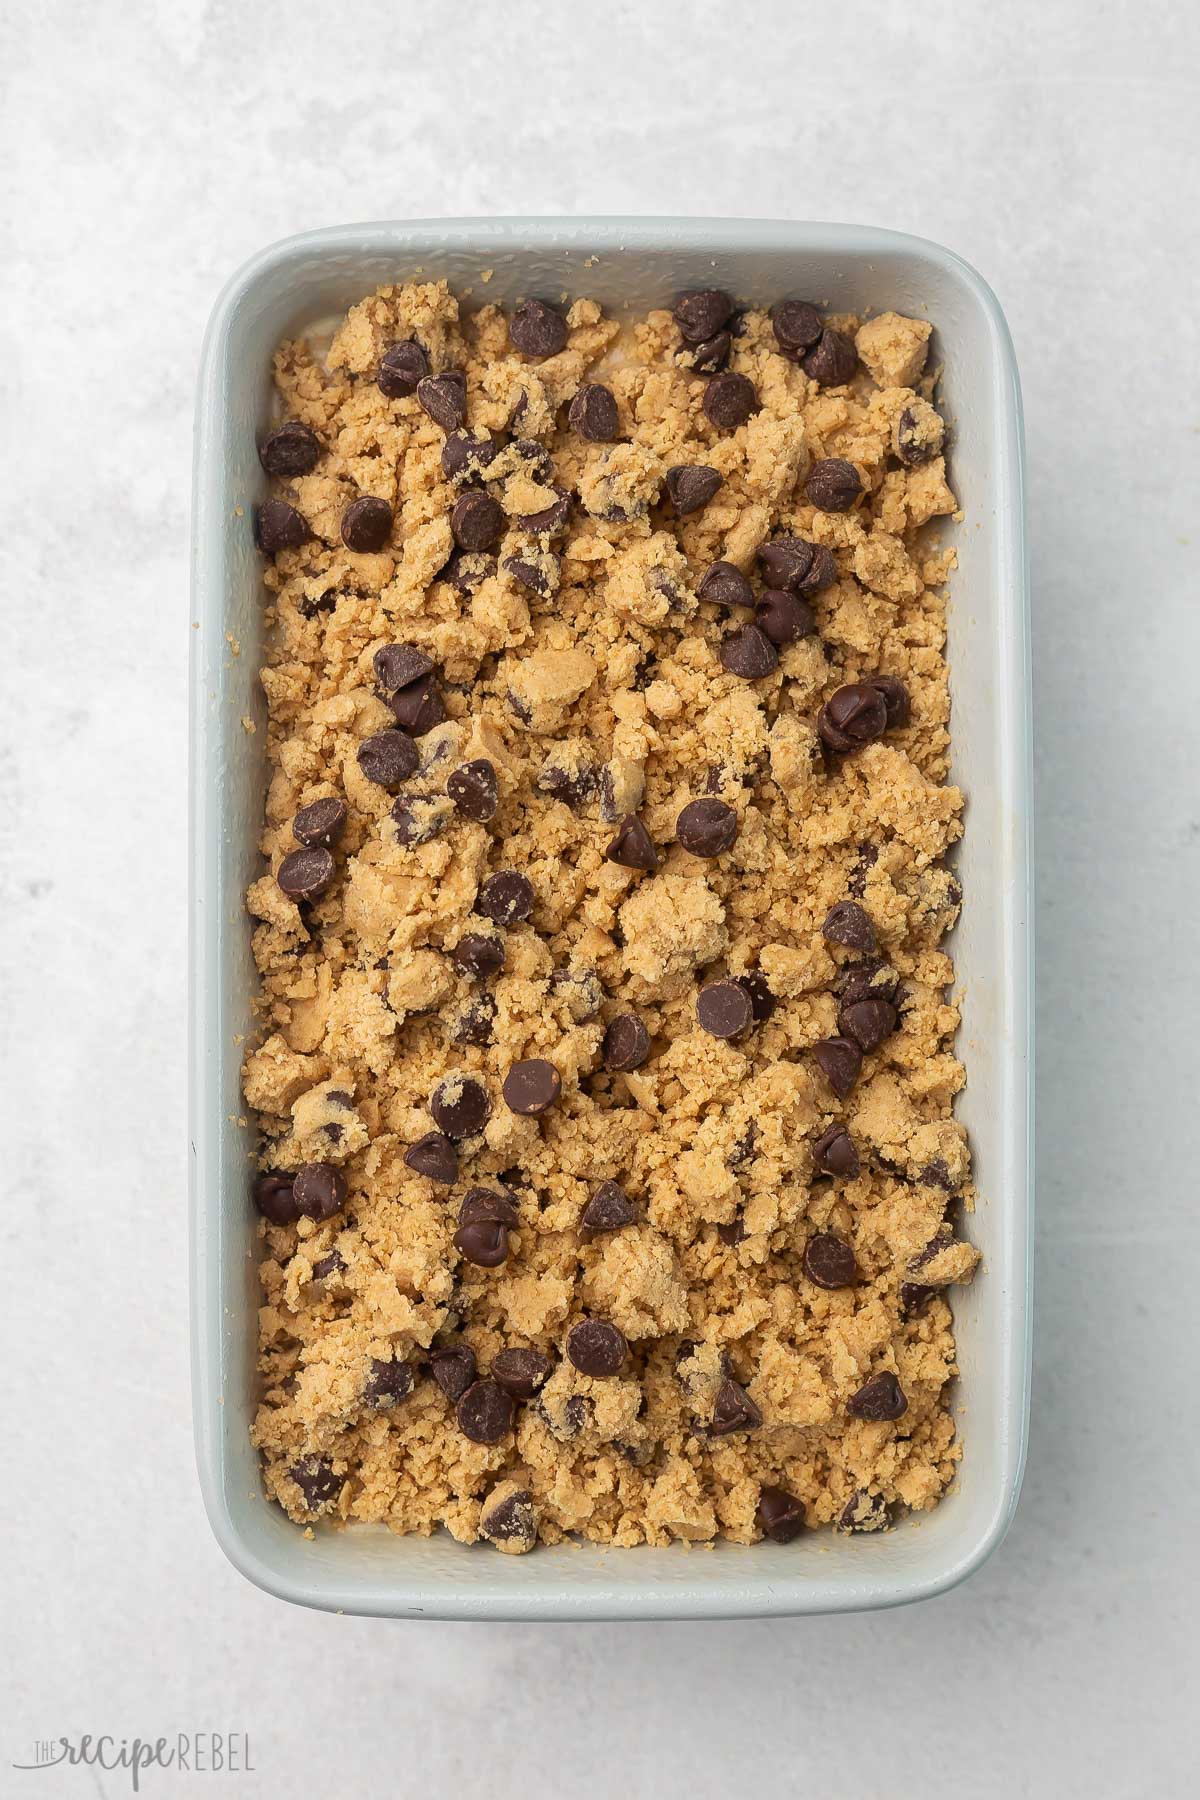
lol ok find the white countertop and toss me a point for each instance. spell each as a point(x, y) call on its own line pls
point(151, 152)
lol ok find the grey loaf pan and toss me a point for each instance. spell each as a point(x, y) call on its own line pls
point(638, 263)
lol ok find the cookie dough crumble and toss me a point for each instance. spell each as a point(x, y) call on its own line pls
point(609, 1176)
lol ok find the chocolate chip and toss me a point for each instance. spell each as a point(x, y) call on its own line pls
point(868, 1022)
point(702, 313)
point(780, 1515)
point(306, 874)
point(762, 1000)
point(474, 790)
point(465, 571)
point(829, 1261)
point(366, 524)
point(864, 1511)
point(530, 575)
point(483, 1243)
point(321, 824)
point(444, 398)
point(387, 1383)
point(855, 716)
point(872, 979)
point(315, 1478)
point(520, 1372)
point(913, 442)
point(596, 1347)
point(418, 706)
point(537, 329)
point(878, 1400)
point(849, 924)
point(786, 561)
point(895, 698)
point(832, 360)
point(593, 414)
point(278, 526)
point(460, 1106)
point(724, 1009)
point(466, 455)
point(552, 520)
point(537, 459)
point(434, 1157)
point(609, 1208)
point(914, 1298)
point(325, 1266)
point(485, 1413)
point(388, 759)
point(531, 1087)
point(417, 820)
point(478, 956)
point(729, 400)
point(505, 898)
point(783, 616)
point(822, 571)
point(690, 486)
point(706, 827)
point(710, 357)
point(291, 449)
point(743, 1150)
point(511, 1519)
point(574, 785)
point(274, 1198)
point(748, 652)
point(840, 1061)
point(401, 367)
point(797, 326)
point(733, 1234)
point(626, 1043)
point(733, 1410)
point(868, 856)
point(453, 1369)
point(398, 665)
point(833, 484)
point(319, 1190)
point(725, 585)
point(476, 521)
point(631, 847)
point(474, 1023)
point(834, 1152)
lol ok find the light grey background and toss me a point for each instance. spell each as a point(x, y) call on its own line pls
point(146, 150)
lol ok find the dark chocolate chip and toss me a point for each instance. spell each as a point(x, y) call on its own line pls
point(831, 361)
point(878, 1400)
point(417, 820)
point(626, 1043)
point(834, 1152)
point(631, 846)
point(706, 827)
point(702, 313)
point(596, 1347)
point(609, 1208)
point(418, 706)
point(733, 1410)
point(710, 357)
point(315, 1478)
point(529, 575)
point(321, 824)
point(743, 1150)
point(797, 326)
point(783, 616)
point(319, 1190)
point(724, 1009)
point(460, 1106)
point(465, 571)
point(478, 956)
point(520, 1372)
point(914, 1298)
point(780, 1515)
point(398, 665)
point(434, 1157)
point(537, 459)
point(387, 1383)
point(850, 925)
point(278, 526)
point(762, 1000)
point(748, 652)
point(573, 785)
point(733, 1234)
point(840, 1061)
point(388, 759)
point(444, 398)
point(366, 524)
point(855, 716)
point(274, 1198)
point(864, 1511)
point(829, 1261)
point(325, 1266)
point(822, 571)
point(474, 1023)
point(786, 561)
point(868, 856)
point(552, 520)
point(593, 414)
point(729, 400)
point(466, 456)
point(485, 1413)
point(291, 449)
point(532, 1087)
point(489, 1205)
point(537, 329)
point(483, 1243)
point(690, 486)
point(401, 367)
point(453, 1369)
point(505, 897)
point(895, 698)
point(306, 874)
point(868, 1022)
point(476, 521)
point(872, 979)
point(912, 444)
point(474, 789)
point(833, 484)
point(725, 585)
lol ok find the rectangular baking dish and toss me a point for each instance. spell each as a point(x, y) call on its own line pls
point(625, 263)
